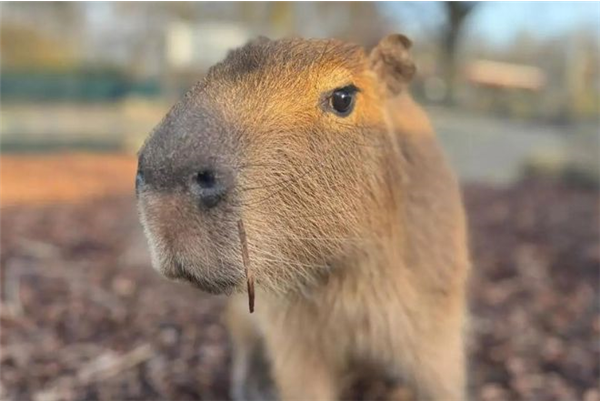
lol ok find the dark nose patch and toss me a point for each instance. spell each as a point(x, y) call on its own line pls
point(210, 186)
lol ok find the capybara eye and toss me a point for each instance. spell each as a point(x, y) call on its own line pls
point(342, 100)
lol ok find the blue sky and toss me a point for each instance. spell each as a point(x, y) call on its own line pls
point(499, 22)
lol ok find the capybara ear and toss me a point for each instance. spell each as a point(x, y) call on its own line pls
point(392, 63)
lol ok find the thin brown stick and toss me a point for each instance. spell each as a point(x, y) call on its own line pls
point(246, 261)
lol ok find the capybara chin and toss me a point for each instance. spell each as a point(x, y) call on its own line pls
point(355, 226)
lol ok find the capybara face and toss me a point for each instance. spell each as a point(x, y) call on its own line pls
point(284, 135)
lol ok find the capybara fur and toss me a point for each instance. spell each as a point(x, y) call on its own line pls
point(355, 224)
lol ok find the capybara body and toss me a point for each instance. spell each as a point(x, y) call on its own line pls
point(355, 225)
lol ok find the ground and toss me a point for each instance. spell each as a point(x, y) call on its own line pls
point(85, 317)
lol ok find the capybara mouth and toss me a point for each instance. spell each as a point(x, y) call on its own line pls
point(207, 284)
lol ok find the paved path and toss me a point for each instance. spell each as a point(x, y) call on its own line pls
point(494, 150)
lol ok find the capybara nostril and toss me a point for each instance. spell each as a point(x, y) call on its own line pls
point(206, 179)
point(209, 186)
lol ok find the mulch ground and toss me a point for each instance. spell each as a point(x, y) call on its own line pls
point(85, 317)
point(37, 179)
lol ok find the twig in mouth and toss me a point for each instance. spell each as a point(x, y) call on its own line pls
point(246, 261)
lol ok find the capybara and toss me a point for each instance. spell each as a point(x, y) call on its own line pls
point(355, 227)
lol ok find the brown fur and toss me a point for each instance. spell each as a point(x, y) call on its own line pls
point(355, 224)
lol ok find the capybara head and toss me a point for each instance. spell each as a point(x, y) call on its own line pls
point(288, 136)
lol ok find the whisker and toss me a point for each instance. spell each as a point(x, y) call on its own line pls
point(315, 238)
point(287, 262)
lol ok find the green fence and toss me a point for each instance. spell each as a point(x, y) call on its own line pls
point(81, 85)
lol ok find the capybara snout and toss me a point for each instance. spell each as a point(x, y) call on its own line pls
point(209, 182)
point(185, 186)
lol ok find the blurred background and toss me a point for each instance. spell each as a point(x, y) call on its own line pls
point(513, 90)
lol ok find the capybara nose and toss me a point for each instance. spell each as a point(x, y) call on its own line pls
point(210, 186)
